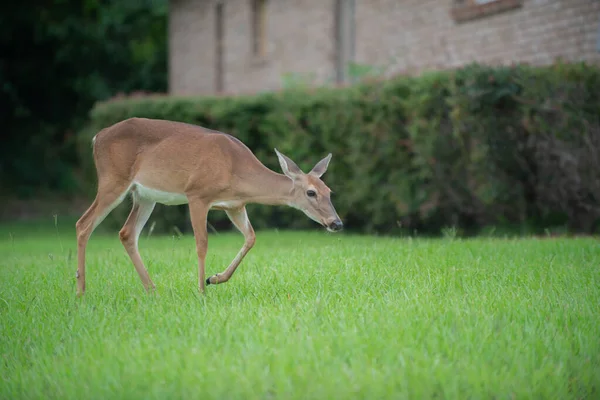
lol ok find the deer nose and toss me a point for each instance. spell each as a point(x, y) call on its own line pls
point(336, 225)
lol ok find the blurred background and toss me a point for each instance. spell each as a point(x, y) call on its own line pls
point(461, 116)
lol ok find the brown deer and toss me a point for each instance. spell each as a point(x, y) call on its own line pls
point(173, 163)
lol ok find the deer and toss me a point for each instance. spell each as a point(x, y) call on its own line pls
point(175, 163)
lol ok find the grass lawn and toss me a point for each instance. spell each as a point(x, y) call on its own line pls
point(307, 315)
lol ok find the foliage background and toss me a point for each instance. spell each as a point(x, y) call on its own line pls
point(58, 58)
point(474, 149)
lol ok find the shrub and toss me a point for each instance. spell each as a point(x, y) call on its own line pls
point(468, 148)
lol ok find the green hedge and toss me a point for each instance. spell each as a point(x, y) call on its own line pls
point(470, 148)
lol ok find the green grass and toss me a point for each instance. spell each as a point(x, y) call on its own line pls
point(307, 315)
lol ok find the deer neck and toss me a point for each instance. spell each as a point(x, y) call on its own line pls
point(268, 187)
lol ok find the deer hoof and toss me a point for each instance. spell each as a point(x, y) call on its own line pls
point(216, 280)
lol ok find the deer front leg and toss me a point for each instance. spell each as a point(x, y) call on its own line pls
point(239, 217)
point(198, 217)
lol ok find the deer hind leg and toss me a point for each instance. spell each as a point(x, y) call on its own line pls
point(130, 233)
point(109, 196)
point(239, 217)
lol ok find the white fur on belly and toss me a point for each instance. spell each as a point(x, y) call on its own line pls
point(158, 196)
point(175, 199)
point(226, 204)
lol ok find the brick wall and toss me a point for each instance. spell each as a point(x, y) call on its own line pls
point(191, 47)
point(299, 40)
point(403, 36)
point(421, 34)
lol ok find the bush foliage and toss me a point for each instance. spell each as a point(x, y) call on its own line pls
point(469, 148)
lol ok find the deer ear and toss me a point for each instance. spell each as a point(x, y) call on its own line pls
point(321, 167)
point(289, 168)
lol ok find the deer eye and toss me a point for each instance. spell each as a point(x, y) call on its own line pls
point(311, 193)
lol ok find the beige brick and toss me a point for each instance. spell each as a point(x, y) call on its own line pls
point(404, 36)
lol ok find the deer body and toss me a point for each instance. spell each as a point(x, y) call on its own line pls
point(173, 163)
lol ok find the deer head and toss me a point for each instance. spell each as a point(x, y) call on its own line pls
point(309, 194)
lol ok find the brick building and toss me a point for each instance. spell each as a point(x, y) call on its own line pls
point(239, 46)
